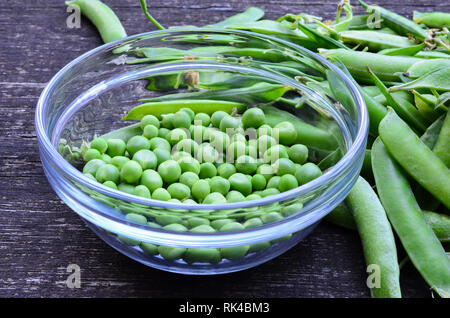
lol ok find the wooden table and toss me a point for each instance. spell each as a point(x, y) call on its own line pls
point(40, 236)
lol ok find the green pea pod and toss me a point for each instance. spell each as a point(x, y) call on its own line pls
point(342, 216)
point(404, 51)
point(377, 238)
point(168, 107)
point(124, 133)
point(383, 66)
point(432, 19)
point(322, 40)
point(419, 241)
point(442, 146)
point(374, 40)
point(269, 27)
point(425, 103)
point(440, 223)
point(405, 109)
point(104, 19)
point(443, 101)
point(257, 93)
point(415, 157)
point(438, 80)
point(307, 134)
point(359, 22)
point(252, 14)
point(430, 136)
point(422, 68)
point(432, 55)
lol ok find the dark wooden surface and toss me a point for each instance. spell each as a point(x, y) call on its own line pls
point(40, 236)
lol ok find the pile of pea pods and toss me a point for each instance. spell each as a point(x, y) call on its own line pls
point(402, 69)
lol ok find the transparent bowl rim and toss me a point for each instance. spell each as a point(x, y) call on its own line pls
point(344, 163)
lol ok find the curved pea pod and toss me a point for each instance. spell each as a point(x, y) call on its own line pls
point(422, 68)
point(404, 51)
point(376, 236)
point(252, 14)
point(124, 133)
point(438, 80)
point(419, 241)
point(374, 40)
point(442, 146)
point(415, 157)
point(432, 19)
point(167, 107)
point(257, 93)
point(307, 134)
point(383, 66)
point(440, 223)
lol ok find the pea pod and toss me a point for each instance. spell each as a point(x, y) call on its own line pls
point(252, 14)
point(415, 157)
point(419, 241)
point(376, 237)
point(374, 40)
point(440, 223)
point(432, 19)
point(430, 136)
point(342, 216)
point(422, 68)
point(425, 103)
point(405, 51)
point(167, 107)
point(442, 146)
point(124, 133)
point(432, 55)
point(437, 80)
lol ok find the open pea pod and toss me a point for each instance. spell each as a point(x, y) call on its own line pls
point(437, 80)
point(168, 107)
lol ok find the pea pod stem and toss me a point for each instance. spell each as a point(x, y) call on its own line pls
point(419, 241)
point(149, 16)
point(377, 238)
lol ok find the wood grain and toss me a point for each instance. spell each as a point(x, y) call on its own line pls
point(40, 236)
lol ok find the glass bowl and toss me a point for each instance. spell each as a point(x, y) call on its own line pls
point(88, 97)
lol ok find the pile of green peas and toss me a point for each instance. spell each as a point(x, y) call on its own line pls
point(196, 158)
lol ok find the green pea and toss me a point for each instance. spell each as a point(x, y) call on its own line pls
point(246, 164)
point(128, 240)
point(92, 166)
point(281, 239)
point(188, 111)
point(162, 132)
point(137, 143)
point(162, 155)
point(291, 209)
point(116, 147)
point(149, 248)
point(217, 224)
point(154, 225)
point(202, 119)
point(253, 222)
point(125, 187)
point(274, 153)
point(171, 253)
point(106, 158)
point(177, 156)
point(189, 201)
point(284, 166)
point(235, 252)
point(119, 161)
point(149, 120)
point(169, 171)
point(298, 153)
point(187, 145)
point(91, 154)
point(253, 196)
point(232, 226)
point(203, 228)
point(202, 255)
point(214, 198)
point(131, 172)
point(219, 184)
point(200, 190)
point(273, 182)
point(258, 247)
point(236, 149)
point(189, 178)
point(253, 117)
point(207, 170)
point(229, 122)
point(142, 191)
point(265, 170)
point(225, 170)
point(239, 137)
point(146, 158)
point(287, 182)
point(264, 130)
point(107, 172)
point(151, 179)
point(100, 144)
point(198, 133)
point(179, 191)
point(181, 119)
point(271, 217)
point(189, 164)
point(241, 183)
point(197, 221)
point(171, 222)
point(110, 184)
point(219, 140)
point(308, 172)
point(265, 142)
point(258, 182)
point(176, 135)
point(269, 192)
point(287, 134)
point(167, 121)
point(235, 196)
point(207, 153)
point(161, 194)
point(150, 131)
point(217, 117)
point(158, 142)
point(136, 218)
